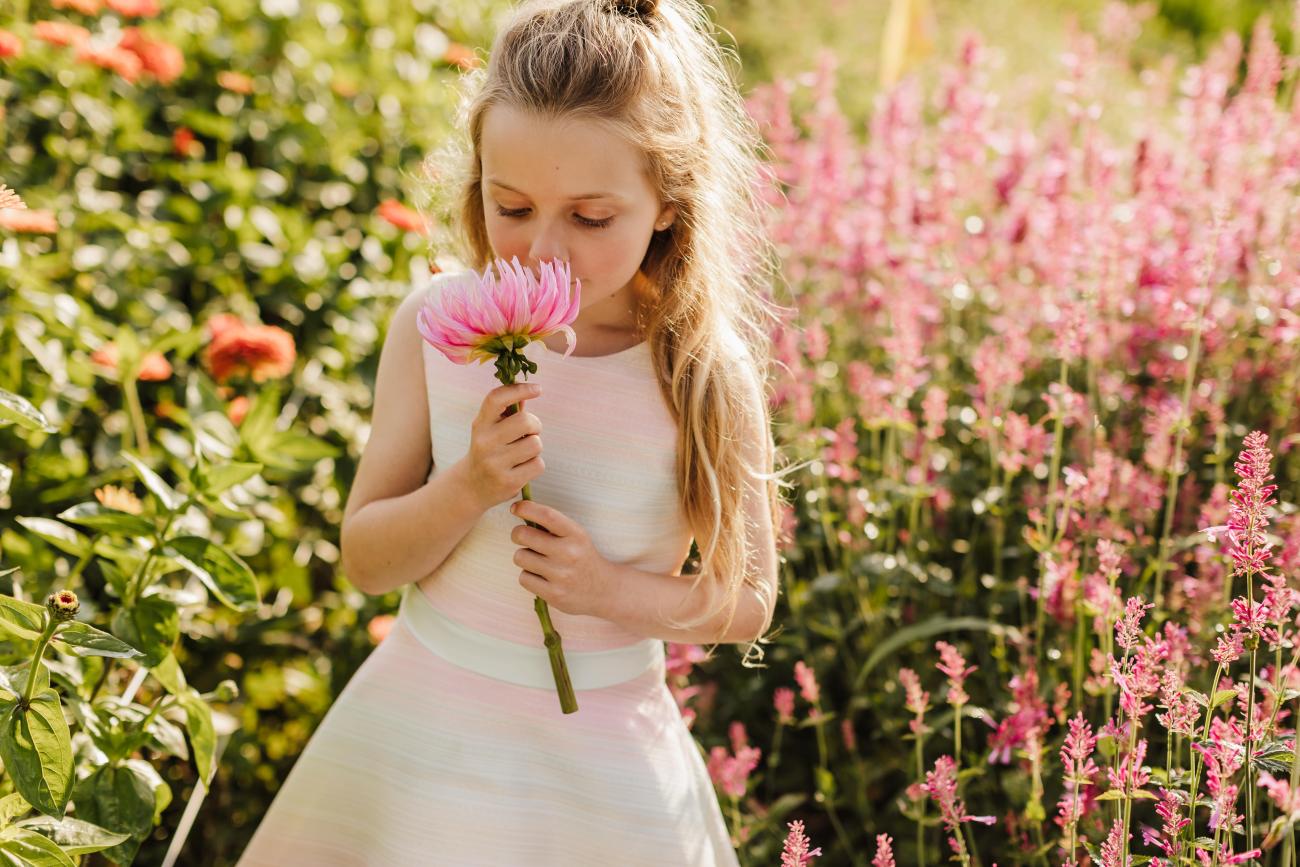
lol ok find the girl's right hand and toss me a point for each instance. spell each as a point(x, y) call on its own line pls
point(505, 450)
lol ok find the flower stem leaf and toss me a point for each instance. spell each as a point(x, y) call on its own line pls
point(98, 517)
point(203, 737)
point(167, 496)
point(24, 620)
point(36, 747)
point(228, 577)
point(25, 846)
point(16, 409)
point(86, 640)
point(72, 835)
point(152, 624)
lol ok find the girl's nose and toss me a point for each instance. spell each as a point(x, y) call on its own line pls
point(546, 246)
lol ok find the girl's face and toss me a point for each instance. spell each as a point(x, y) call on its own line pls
point(570, 190)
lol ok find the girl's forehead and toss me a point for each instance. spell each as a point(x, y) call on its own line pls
point(572, 157)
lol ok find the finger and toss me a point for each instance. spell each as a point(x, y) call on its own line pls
point(532, 537)
point(555, 521)
point(529, 559)
point(506, 396)
point(533, 583)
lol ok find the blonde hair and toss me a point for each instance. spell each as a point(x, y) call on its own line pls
point(653, 74)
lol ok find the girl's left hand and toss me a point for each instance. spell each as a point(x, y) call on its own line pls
point(560, 564)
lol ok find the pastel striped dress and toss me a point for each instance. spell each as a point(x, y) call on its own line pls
point(448, 745)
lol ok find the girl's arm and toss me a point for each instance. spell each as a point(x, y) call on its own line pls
point(399, 525)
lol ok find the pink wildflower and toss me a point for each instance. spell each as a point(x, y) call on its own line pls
point(953, 664)
point(884, 852)
point(783, 700)
point(1251, 506)
point(807, 680)
point(796, 852)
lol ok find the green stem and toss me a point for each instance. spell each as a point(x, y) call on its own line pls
point(51, 625)
point(1058, 439)
point(137, 416)
point(920, 804)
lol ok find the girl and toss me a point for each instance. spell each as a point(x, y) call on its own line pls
point(605, 133)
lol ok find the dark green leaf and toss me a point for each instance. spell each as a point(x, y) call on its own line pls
point(31, 849)
point(203, 738)
point(16, 409)
point(222, 572)
point(227, 476)
point(151, 625)
point(98, 517)
point(167, 496)
point(61, 536)
point(73, 836)
point(37, 751)
point(86, 640)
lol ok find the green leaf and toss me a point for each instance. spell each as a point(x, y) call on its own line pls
point(227, 576)
point(25, 620)
point(926, 629)
point(16, 409)
point(259, 422)
point(152, 624)
point(119, 798)
point(86, 640)
point(12, 807)
point(74, 836)
point(218, 479)
point(288, 450)
point(169, 674)
point(1222, 696)
point(31, 849)
point(167, 496)
point(37, 751)
point(61, 536)
point(203, 737)
point(14, 678)
point(98, 517)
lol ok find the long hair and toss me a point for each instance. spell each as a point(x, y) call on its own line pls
point(653, 73)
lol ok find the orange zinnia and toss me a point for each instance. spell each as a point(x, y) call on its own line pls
point(162, 59)
point(154, 368)
point(10, 45)
point(115, 58)
point(60, 32)
point(136, 8)
point(261, 352)
point(85, 7)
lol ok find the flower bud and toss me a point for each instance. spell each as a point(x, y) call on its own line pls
point(63, 604)
point(227, 690)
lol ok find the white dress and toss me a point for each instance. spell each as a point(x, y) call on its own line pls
point(423, 760)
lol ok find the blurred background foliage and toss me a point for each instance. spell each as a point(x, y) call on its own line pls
point(300, 118)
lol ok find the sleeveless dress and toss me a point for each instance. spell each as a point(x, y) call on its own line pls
point(448, 746)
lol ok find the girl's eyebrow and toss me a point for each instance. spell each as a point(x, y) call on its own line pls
point(497, 183)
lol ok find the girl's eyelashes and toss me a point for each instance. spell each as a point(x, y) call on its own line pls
point(592, 224)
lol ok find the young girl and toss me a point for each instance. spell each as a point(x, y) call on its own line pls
point(607, 134)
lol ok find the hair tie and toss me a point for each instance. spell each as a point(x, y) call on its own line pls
point(640, 9)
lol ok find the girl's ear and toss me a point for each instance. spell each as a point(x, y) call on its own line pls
point(666, 218)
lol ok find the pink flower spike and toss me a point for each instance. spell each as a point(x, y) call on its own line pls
point(796, 852)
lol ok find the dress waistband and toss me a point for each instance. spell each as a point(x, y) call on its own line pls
point(518, 663)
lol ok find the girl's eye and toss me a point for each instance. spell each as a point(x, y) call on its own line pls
point(594, 224)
